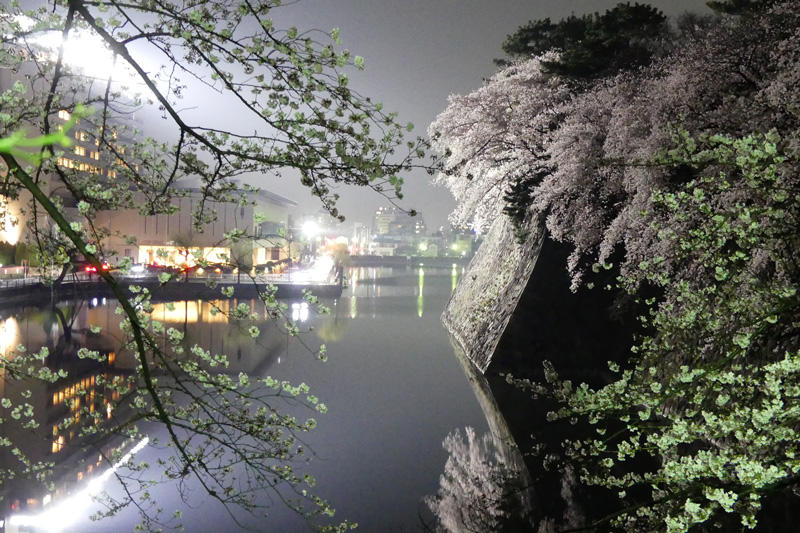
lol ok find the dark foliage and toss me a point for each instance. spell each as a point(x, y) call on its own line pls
point(591, 46)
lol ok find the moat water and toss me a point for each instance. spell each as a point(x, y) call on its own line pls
point(393, 384)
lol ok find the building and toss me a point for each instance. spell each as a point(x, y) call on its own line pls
point(383, 219)
point(173, 240)
point(163, 239)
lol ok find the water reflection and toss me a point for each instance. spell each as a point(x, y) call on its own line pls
point(9, 335)
point(63, 514)
point(384, 374)
point(300, 312)
point(421, 293)
point(72, 418)
point(486, 487)
point(482, 487)
point(367, 284)
point(66, 416)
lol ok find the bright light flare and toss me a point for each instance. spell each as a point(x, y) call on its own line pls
point(63, 514)
point(9, 335)
point(310, 229)
point(300, 312)
point(83, 51)
point(318, 271)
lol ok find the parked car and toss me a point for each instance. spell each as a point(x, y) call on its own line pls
point(219, 268)
point(86, 266)
point(157, 269)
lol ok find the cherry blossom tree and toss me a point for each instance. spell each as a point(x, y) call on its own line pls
point(685, 174)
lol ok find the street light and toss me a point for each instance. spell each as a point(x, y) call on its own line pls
point(310, 229)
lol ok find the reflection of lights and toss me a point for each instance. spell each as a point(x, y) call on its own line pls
point(453, 279)
point(300, 312)
point(9, 331)
point(353, 307)
point(63, 514)
point(191, 312)
point(420, 297)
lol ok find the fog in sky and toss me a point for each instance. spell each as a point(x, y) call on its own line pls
point(417, 53)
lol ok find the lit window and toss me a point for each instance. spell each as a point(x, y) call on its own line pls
point(80, 150)
point(112, 173)
point(64, 114)
point(94, 155)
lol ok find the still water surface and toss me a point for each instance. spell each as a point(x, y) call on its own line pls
point(392, 383)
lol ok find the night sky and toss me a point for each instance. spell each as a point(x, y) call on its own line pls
point(417, 53)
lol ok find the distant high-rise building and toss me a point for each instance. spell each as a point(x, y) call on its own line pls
point(419, 226)
point(393, 221)
point(383, 219)
point(361, 237)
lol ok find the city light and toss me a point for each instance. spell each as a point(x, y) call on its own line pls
point(300, 312)
point(310, 229)
point(9, 335)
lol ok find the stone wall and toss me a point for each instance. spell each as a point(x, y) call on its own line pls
point(488, 293)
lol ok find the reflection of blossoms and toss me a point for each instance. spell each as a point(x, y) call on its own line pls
point(475, 489)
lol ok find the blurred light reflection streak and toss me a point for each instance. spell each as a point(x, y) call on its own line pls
point(71, 508)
